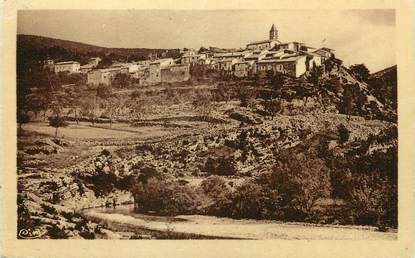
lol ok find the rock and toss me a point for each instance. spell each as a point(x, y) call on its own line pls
point(245, 117)
point(108, 234)
point(106, 169)
point(44, 146)
point(62, 142)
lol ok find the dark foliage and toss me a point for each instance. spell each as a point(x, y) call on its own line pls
point(343, 133)
point(165, 197)
point(360, 71)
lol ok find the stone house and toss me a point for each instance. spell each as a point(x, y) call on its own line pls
point(227, 64)
point(193, 58)
point(94, 61)
point(243, 68)
point(240, 55)
point(293, 46)
point(313, 59)
point(132, 68)
point(325, 53)
point(293, 66)
point(154, 72)
point(143, 63)
point(262, 44)
point(104, 76)
point(175, 73)
point(256, 55)
point(86, 68)
point(68, 66)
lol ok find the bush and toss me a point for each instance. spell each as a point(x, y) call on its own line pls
point(272, 107)
point(373, 200)
point(301, 180)
point(57, 121)
point(165, 197)
point(104, 91)
point(224, 166)
point(367, 181)
point(22, 118)
point(136, 94)
point(251, 200)
point(246, 96)
point(219, 196)
point(360, 71)
point(343, 133)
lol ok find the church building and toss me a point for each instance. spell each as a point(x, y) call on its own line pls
point(266, 44)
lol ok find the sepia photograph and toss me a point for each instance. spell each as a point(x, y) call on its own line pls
point(207, 124)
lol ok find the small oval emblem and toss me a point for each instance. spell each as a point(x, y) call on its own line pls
point(31, 233)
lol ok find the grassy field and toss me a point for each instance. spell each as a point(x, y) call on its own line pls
point(100, 131)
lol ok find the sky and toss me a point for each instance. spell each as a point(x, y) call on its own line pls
point(358, 36)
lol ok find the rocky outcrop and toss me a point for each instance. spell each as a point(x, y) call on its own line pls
point(44, 146)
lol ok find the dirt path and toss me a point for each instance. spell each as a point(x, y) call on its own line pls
point(231, 228)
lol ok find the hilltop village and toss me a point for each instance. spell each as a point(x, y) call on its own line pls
point(290, 58)
point(115, 143)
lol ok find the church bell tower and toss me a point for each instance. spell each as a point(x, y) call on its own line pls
point(273, 33)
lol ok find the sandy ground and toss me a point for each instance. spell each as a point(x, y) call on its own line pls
point(231, 228)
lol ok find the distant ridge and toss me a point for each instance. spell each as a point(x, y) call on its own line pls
point(384, 72)
point(35, 42)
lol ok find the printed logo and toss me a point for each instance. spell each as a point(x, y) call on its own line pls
point(31, 233)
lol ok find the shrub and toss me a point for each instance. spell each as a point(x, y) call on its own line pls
point(165, 197)
point(55, 232)
point(104, 91)
point(360, 71)
point(213, 185)
point(302, 180)
point(246, 96)
point(220, 166)
point(251, 200)
point(343, 133)
point(373, 199)
point(135, 94)
point(57, 121)
point(219, 196)
point(272, 107)
point(22, 118)
point(105, 152)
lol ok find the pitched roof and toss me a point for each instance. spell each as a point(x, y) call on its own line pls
point(158, 61)
point(229, 54)
point(327, 49)
point(309, 53)
point(87, 66)
point(263, 41)
point(244, 62)
point(106, 70)
point(67, 62)
point(289, 59)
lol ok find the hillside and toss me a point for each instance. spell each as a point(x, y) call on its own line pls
point(59, 49)
point(383, 85)
point(385, 73)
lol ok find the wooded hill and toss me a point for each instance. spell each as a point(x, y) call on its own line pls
point(40, 48)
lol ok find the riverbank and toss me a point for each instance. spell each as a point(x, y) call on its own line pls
point(124, 221)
